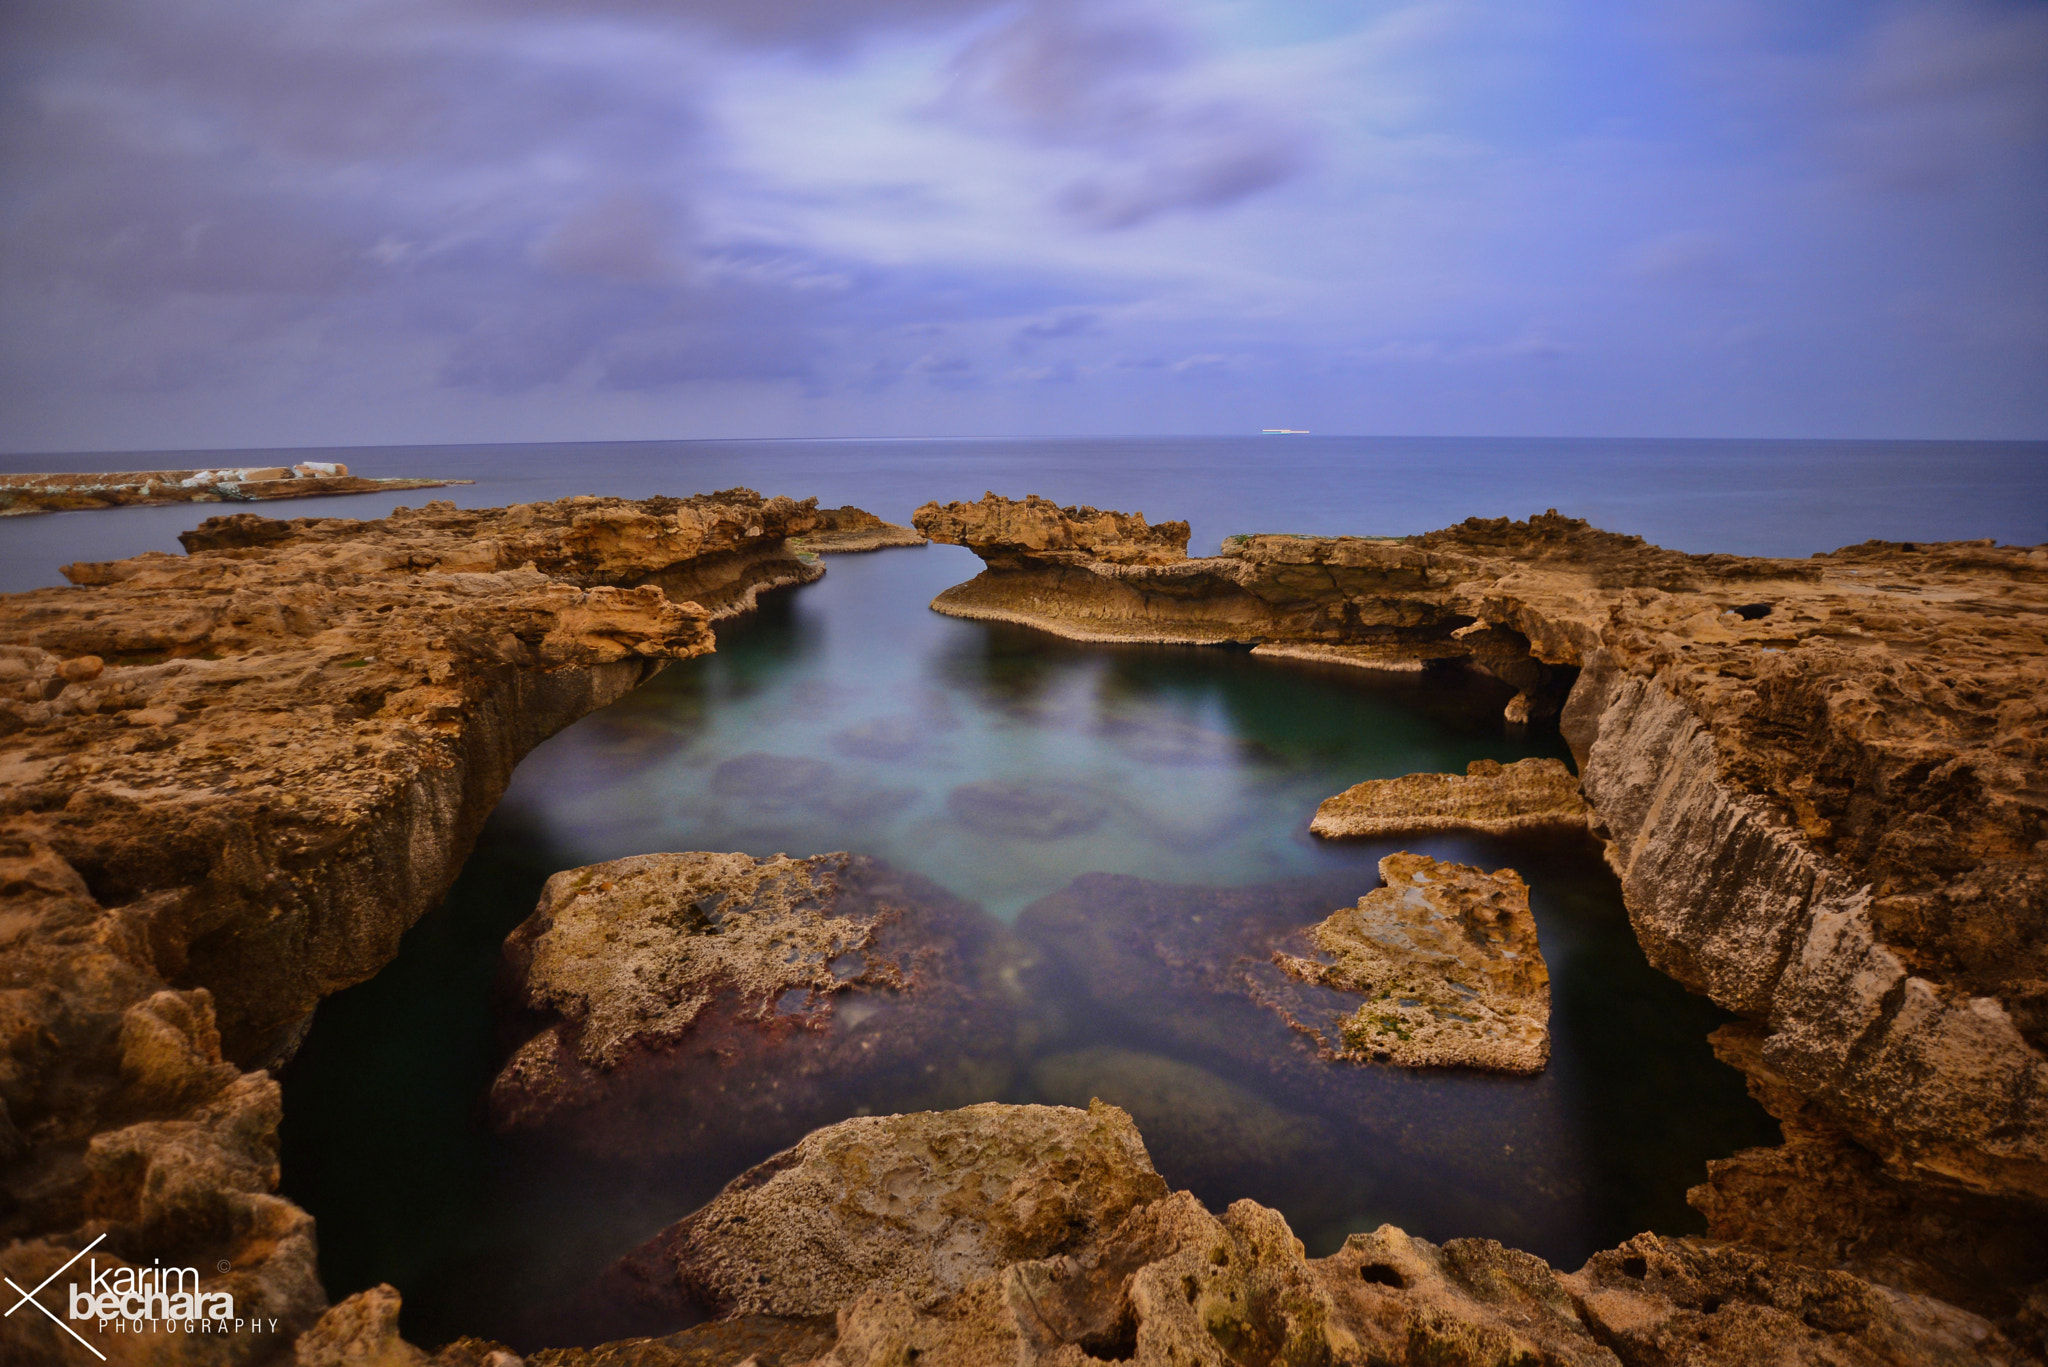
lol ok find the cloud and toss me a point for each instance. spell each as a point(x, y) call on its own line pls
point(624, 236)
point(1113, 84)
point(817, 26)
point(1060, 327)
point(1691, 257)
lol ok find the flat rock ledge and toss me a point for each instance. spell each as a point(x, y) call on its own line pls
point(1447, 961)
point(699, 1000)
point(24, 494)
point(1041, 1236)
point(850, 530)
point(1491, 797)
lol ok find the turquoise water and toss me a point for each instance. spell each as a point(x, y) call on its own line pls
point(846, 715)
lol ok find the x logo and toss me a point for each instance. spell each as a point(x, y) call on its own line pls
point(29, 1298)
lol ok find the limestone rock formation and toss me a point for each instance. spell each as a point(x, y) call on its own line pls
point(1193, 971)
point(229, 782)
point(914, 1206)
point(1530, 794)
point(1006, 532)
point(719, 550)
point(844, 531)
point(1813, 777)
point(1039, 1235)
point(1447, 961)
point(23, 494)
point(700, 1000)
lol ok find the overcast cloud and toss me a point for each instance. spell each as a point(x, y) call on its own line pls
point(230, 222)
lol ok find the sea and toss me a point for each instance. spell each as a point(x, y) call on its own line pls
point(845, 715)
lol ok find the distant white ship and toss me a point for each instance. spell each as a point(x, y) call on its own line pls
point(1283, 431)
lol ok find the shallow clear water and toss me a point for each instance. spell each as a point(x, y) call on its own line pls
point(846, 715)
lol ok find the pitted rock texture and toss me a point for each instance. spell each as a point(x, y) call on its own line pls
point(849, 530)
point(1447, 961)
point(898, 1225)
point(229, 782)
point(915, 1205)
point(1040, 1236)
point(1530, 794)
point(720, 551)
point(1002, 531)
point(1815, 779)
point(1192, 969)
point(699, 1000)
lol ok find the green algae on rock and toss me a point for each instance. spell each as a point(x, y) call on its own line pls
point(1446, 957)
point(1496, 798)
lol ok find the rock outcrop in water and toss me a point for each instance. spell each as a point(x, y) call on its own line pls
point(1039, 532)
point(229, 782)
point(849, 530)
point(1496, 798)
point(694, 1002)
point(24, 494)
point(1446, 959)
point(1042, 1236)
point(1817, 781)
point(232, 780)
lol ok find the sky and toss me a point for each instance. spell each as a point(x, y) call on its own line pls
point(340, 222)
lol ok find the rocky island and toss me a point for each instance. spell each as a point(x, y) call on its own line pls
point(234, 777)
point(1447, 962)
point(24, 494)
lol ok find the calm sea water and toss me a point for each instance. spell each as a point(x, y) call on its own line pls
point(1746, 497)
point(845, 714)
point(841, 717)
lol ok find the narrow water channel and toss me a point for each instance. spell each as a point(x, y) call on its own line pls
point(847, 716)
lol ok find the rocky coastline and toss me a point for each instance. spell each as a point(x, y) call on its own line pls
point(21, 495)
point(235, 777)
point(232, 780)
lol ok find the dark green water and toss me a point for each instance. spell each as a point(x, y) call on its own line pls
point(842, 716)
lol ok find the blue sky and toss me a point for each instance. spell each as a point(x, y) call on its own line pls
point(233, 222)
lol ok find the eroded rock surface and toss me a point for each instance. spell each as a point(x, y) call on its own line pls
point(900, 1225)
point(912, 1206)
point(229, 782)
point(1446, 959)
point(848, 530)
point(1192, 971)
point(1815, 778)
point(1530, 794)
point(1003, 531)
point(700, 1000)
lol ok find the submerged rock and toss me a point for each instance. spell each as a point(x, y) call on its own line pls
point(1190, 971)
point(1206, 1131)
point(1817, 779)
point(1027, 809)
point(696, 1000)
point(1496, 798)
point(916, 1206)
point(1447, 960)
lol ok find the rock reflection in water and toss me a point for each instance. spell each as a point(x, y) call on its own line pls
point(1119, 795)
